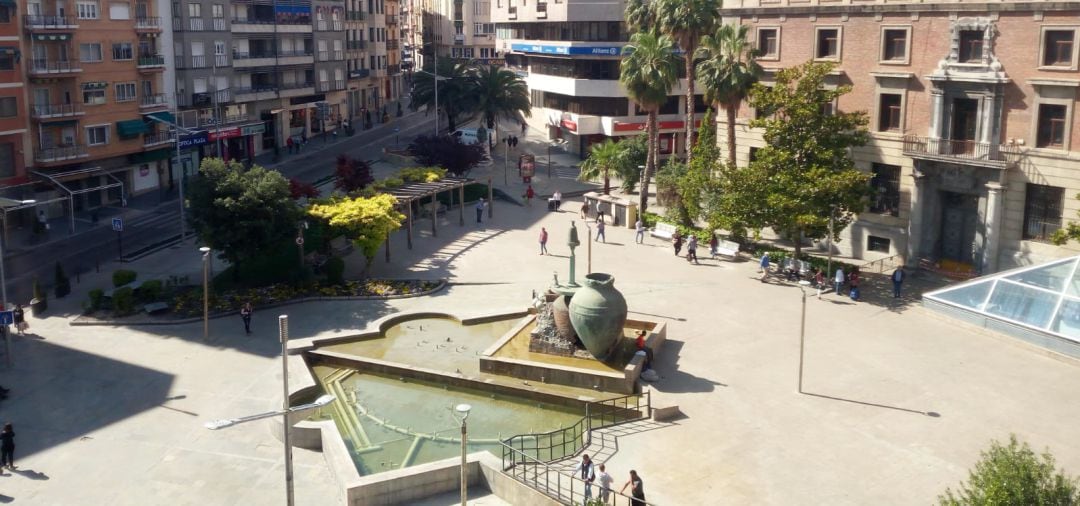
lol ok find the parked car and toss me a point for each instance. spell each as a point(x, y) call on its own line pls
point(466, 135)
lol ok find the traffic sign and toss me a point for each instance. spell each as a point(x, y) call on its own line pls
point(118, 224)
point(299, 241)
point(7, 317)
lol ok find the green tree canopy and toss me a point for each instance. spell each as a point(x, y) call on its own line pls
point(241, 212)
point(1013, 474)
point(498, 93)
point(455, 98)
point(367, 221)
point(805, 168)
point(604, 158)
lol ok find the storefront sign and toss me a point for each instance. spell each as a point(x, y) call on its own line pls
point(567, 50)
point(188, 141)
point(253, 129)
point(660, 125)
point(226, 133)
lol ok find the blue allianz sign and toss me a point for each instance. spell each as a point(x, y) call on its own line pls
point(567, 50)
point(189, 141)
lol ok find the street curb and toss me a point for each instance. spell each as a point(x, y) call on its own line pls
point(124, 323)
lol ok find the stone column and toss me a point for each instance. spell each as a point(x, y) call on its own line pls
point(994, 204)
point(937, 112)
point(916, 218)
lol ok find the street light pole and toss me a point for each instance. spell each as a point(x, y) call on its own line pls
point(179, 166)
point(832, 212)
point(283, 333)
point(802, 331)
point(206, 291)
point(462, 410)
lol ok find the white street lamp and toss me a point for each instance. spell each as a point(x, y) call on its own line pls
point(229, 422)
point(179, 166)
point(205, 291)
point(461, 413)
point(437, 78)
point(802, 330)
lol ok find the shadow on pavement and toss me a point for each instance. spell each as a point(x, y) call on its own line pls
point(674, 380)
point(931, 414)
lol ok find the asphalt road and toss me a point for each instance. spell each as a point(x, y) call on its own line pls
point(97, 247)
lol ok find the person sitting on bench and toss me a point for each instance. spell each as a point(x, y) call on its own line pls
point(648, 351)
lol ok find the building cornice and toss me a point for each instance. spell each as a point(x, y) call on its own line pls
point(972, 8)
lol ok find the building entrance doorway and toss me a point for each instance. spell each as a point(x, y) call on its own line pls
point(959, 219)
point(964, 124)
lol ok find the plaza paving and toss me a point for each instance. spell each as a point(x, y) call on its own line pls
point(112, 415)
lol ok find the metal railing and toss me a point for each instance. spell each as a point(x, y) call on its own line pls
point(158, 138)
point(61, 153)
point(39, 66)
point(339, 84)
point(355, 44)
point(151, 61)
point(354, 16)
point(392, 44)
point(298, 52)
point(359, 73)
point(321, 25)
point(155, 100)
point(49, 22)
point(198, 61)
point(221, 60)
point(296, 86)
point(219, 24)
point(180, 61)
point(960, 149)
point(391, 19)
point(336, 25)
point(148, 23)
point(323, 86)
point(196, 24)
point(393, 69)
point(282, 21)
point(565, 488)
point(55, 110)
point(882, 264)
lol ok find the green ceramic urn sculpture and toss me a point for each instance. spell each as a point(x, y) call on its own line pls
point(598, 313)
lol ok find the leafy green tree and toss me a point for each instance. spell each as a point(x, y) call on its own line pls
point(1013, 474)
point(448, 152)
point(498, 93)
point(455, 83)
point(604, 158)
point(634, 152)
point(367, 221)
point(686, 21)
point(648, 71)
point(728, 69)
point(688, 185)
point(805, 167)
point(241, 213)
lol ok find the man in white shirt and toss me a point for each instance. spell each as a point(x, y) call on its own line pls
point(605, 484)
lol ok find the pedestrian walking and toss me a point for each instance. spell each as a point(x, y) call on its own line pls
point(637, 489)
point(588, 475)
point(557, 197)
point(714, 243)
point(639, 232)
point(529, 194)
point(480, 210)
point(600, 232)
point(289, 144)
point(677, 241)
point(764, 265)
point(691, 249)
point(584, 209)
point(543, 240)
point(897, 279)
point(245, 314)
point(838, 280)
point(7, 447)
point(524, 128)
point(20, 320)
point(853, 284)
point(599, 211)
point(513, 141)
point(605, 480)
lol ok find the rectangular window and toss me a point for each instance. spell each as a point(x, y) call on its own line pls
point(122, 51)
point(194, 10)
point(7, 160)
point(90, 52)
point(119, 10)
point(894, 44)
point(879, 244)
point(885, 185)
point(889, 113)
point(97, 135)
point(1042, 211)
point(1051, 128)
point(8, 107)
point(93, 97)
point(1058, 48)
point(828, 44)
point(971, 46)
point(768, 42)
point(87, 10)
point(217, 11)
point(125, 92)
point(7, 62)
point(5, 14)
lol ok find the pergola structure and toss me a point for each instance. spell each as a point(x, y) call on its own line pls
point(409, 193)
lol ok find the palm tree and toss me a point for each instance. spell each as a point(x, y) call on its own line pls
point(687, 21)
point(648, 71)
point(728, 70)
point(640, 15)
point(454, 95)
point(498, 93)
point(603, 159)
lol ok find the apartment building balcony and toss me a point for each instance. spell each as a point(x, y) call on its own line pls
point(296, 89)
point(54, 68)
point(459, 39)
point(219, 25)
point(151, 62)
point(49, 23)
point(198, 62)
point(60, 154)
point(325, 86)
point(158, 139)
point(49, 112)
point(254, 94)
point(196, 25)
point(251, 25)
point(964, 152)
point(355, 15)
point(155, 101)
point(392, 45)
point(337, 25)
point(391, 19)
point(355, 44)
point(359, 73)
point(149, 24)
point(393, 70)
point(336, 55)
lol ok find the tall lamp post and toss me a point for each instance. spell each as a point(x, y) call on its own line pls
point(437, 78)
point(205, 291)
point(802, 330)
point(283, 333)
point(3, 292)
point(828, 267)
point(461, 413)
point(179, 165)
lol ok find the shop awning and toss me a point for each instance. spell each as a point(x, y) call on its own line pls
point(162, 115)
point(7, 3)
point(44, 37)
point(152, 156)
point(131, 128)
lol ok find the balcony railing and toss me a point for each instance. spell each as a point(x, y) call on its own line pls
point(392, 44)
point(391, 19)
point(359, 73)
point(196, 24)
point(148, 23)
point(158, 138)
point(337, 55)
point(339, 84)
point(296, 86)
point(299, 52)
point(198, 61)
point(336, 25)
point(221, 60)
point(322, 25)
point(949, 149)
point(282, 21)
point(49, 22)
point(219, 24)
point(155, 100)
point(355, 15)
point(180, 61)
point(55, 110)
point(323, 55)
point(39, 66)
point(46, 155)
point(151, 61)
point(323, 86)
point(355, 44)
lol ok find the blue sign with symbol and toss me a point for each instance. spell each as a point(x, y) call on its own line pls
point(567, 50)
point(7, 317)
point(118, 224)
point(188, 141)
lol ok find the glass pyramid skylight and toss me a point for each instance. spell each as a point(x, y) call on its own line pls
point(1044, 297)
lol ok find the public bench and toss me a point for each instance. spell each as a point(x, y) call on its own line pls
point(728, 249)
point(663, 231)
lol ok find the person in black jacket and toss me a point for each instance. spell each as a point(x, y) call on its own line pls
point(7, 446)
